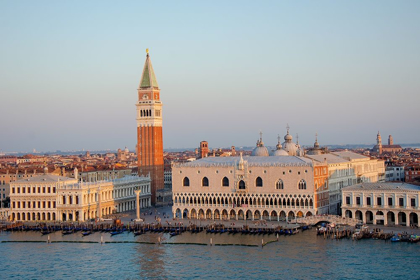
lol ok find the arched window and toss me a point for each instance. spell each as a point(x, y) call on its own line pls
point(205, 182)
point(258, 182)
point(225, 182)
point(302, 185)
point(241, 185)
point(186, 182)
point(279, 184)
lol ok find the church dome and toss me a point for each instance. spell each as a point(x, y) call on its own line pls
point(260, 151)
point(290, 148)
point(280, 152)
point(279, 149)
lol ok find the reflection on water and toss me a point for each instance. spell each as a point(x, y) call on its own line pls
point(293, 257)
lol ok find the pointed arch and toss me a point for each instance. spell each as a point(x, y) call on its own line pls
point(302, 184)
point(279, 184)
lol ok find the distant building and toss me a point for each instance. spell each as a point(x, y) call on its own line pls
point(203, 151)
point(412, 174)
point(394, 173)
point(390, 148)
point(382, 203)
point(317, 149)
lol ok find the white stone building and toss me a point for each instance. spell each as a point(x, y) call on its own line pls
point(56, 198)
point(348, 168)
point(238, 188)
point(394, 173)
point(382, 203)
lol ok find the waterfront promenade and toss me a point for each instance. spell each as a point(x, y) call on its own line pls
point(151, 214)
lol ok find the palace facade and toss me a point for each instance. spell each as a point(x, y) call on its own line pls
point(382, 203)
point(238, 188)
point(56, 198)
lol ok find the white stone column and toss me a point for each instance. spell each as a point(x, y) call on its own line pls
point(137, 203)
point(99, 210)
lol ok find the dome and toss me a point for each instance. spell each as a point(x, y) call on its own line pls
point(279, 152)
point(260, 151)
point(290, 148)
point(126, 150)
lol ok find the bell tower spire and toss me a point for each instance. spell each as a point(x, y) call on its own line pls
point(149, 128)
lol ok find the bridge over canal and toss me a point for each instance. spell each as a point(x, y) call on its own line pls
point(313, 220)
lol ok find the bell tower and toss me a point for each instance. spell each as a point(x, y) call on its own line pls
point(379, 142)
point(149, 128)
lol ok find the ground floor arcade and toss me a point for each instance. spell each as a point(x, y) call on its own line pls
point(240, 213)
point(384, 217)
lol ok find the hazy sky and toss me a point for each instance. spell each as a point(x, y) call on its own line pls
point(69, 71)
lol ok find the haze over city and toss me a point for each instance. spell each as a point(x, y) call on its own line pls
point(69, 73)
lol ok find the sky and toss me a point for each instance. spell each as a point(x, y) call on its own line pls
point(69, 72)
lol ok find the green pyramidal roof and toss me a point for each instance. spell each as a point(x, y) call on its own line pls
point(148, 79)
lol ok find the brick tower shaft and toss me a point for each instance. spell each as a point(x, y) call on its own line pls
point(149, 129)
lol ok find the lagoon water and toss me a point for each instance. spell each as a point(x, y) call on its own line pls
point(303, 256)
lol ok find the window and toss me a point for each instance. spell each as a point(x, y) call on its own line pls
point(186, 182)
point(241, 185)
point(302, 185)
point(225, 182)
point(390, 201)
point(348, 200)
point(279, 184)
point(205, 182)
point(358, 200)
point(368, 202)
point(258, 182)
point(379, 201)
point(413, 202)
point(401, 200)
